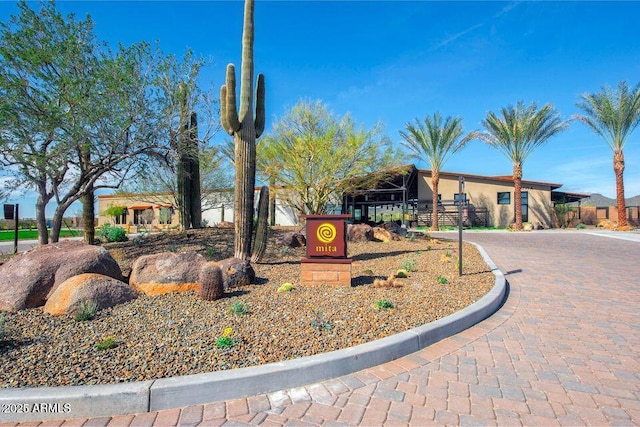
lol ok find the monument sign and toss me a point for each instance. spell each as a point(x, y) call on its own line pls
point(326, 261)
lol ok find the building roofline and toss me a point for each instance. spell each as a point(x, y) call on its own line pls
point(494, 178)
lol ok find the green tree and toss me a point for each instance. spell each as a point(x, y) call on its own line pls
point(437, 141)
point(516, 134)
point(613, 115)
point(114, 211)
point(314, 155)
point(58, 133)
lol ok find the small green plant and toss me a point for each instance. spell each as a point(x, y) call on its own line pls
point(210, 251)
point(384, 304)
point(112, 234)
point(226, 340)
point(319, 322)
point(107, 343)
point(402, 274)
point(238, 308)
point(409, 264)
point(448, 254)
point(284, 250)
point(172, 247)
point(287, 287)
point(86, 311)
point(412, 237)
point(442, 280)
point(581, 226)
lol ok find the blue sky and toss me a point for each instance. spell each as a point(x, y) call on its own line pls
point(397, 61)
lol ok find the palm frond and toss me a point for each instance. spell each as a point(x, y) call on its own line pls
point(613, 115)
point(434, 140)
point(520, 129)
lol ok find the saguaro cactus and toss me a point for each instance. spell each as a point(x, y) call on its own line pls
point(262, 230)
point(188, 168)
point(244, 128)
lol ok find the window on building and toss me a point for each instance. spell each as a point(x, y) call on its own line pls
point(525, 206)
point(504, 198)
point(456, 198)
point(165, 215)
point(142, 216)
point(121, 219)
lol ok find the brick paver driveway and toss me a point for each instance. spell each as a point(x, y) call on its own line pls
point(563, 350)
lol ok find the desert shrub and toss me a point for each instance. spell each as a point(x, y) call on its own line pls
point(581, 226)
point(86, 311)
point(226, 340)
point(409, 264)
point(238, 308)
point(287, 287)
point(112, 234)
point(401, 274)
point(442, 280)
point(384, 304)
point(107, 343)
point(319, 322)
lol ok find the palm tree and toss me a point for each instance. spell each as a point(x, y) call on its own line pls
point(613, 116)
point(516, 134)
point(438, 141)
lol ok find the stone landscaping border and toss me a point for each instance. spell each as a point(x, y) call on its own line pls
point(48, 403)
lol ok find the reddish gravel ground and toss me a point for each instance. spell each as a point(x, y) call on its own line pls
point(177, 334)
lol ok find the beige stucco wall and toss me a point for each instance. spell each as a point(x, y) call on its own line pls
point(156, 201)
point(483, 192)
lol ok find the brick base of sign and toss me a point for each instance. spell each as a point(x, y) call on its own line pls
point(335, 272)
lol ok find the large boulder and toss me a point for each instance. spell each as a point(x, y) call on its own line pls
point(28, 279)
point(292, 239)
point(359, 233)
point(392, 226)
point(166, 272)
point(104, 291)
point(383, 235)
point(236, 272)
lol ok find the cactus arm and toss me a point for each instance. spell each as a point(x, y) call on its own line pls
point(246, 89)
point(229, 113)
point(260, 119)
point(224, 120)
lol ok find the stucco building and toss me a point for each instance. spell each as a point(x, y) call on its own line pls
point(486, 200)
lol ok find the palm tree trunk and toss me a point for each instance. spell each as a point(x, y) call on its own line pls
point(618, 168)
point(517, 195)
point(435, 180)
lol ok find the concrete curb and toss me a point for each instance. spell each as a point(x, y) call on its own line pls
point(46, 403)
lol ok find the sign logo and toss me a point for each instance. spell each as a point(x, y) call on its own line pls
point(326, 232)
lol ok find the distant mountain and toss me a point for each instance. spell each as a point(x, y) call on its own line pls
point(601, 201)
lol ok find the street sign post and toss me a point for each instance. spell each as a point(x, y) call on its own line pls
point(11, 212)
point(460, 201)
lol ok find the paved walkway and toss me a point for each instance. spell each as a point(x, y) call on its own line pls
point(563, 350)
